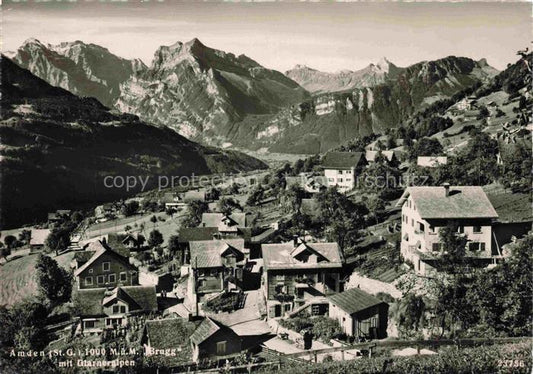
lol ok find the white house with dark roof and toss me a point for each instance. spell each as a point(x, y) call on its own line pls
point(298, 275)
point(102, 308)
point(427, 209)
point(341, 168)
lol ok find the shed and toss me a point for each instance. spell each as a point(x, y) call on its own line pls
point(214, 340)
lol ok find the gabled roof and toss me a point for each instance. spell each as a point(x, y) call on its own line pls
point(194, 195)
point(102, 248)
point(169, 333)
point(461, 202)
point(285, 255)
point(207, 328)
point(215, 219)
point(354, 300)
point(189, 234)
point(371, 155)
point(342, 160)
point(38, 236)
point(208, 253)
point(138, 298)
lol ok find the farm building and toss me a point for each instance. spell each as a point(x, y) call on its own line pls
point(359, 314)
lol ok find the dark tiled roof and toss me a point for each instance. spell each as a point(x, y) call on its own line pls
point(462, 202)
point(169, 333)
point(207, 328)
point(207, 254)
point(90, 301)
point(354, 300)
point(282, 256)
point(143, 298)
point(342, 160)
point(189, 234)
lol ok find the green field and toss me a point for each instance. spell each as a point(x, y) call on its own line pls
point(19, 278)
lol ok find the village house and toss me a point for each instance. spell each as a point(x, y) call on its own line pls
point(110, 308)
point(103, 267)
point(215, 265)
point(131, 241)
point(215, 341)
point(359, 314)
point(103, 212)
point(341, 169)
point(232, 225)
point(172, 201)
point(298, 275)
point(59, 215)
point(389, 156)
point(431, 161)
point(38, 239)
point(425, 210)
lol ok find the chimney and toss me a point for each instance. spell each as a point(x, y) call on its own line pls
point(446, 189)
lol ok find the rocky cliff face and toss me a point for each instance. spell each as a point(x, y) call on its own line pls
point(57, 149)
point(317, 82)
point(329, 119)
point(201, 92)
point(83, 69)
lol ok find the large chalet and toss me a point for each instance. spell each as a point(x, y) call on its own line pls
point(104, 268)
point(298, 275)
point(341, 169)
point(427, 209)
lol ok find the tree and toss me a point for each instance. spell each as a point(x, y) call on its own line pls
point(227, 204)
point(257, 195)
point(10, 241)
point(294, 196)
point(194, 213)
point(425, 147)
point(175, 249)
point(130, 209)
point(141, 240)
point(25, 236)
point(59, 238)
point(153, 219)
point(155, 239)
point(213, 194)
point(55, 282)
point(5, 251)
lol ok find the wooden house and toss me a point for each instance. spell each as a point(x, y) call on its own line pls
point(213, 340)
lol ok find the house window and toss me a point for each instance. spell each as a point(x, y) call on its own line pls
point(477, 229)
point(348, 179)
point(123, 309)
point(339, 179)
point(90, 271)
point(420, 226)
point(221, 348)
point(432, 229)
point(112, 278)
point(436, 247)
point(340, 171)
point(88, 281)
point(461, 229)
point(115, 309)
point(100, 279)
point(123, 276)
point(412, 222)
point(476, 246)
point(287, 307)
point(331, 180)
point(89, 324)
point(348, 172)
point(106, 266)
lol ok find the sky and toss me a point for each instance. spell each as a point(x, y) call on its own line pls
point(327, 36)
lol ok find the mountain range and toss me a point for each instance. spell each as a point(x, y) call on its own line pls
point(316, 81)
point(57, 148)
point(218, 98)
